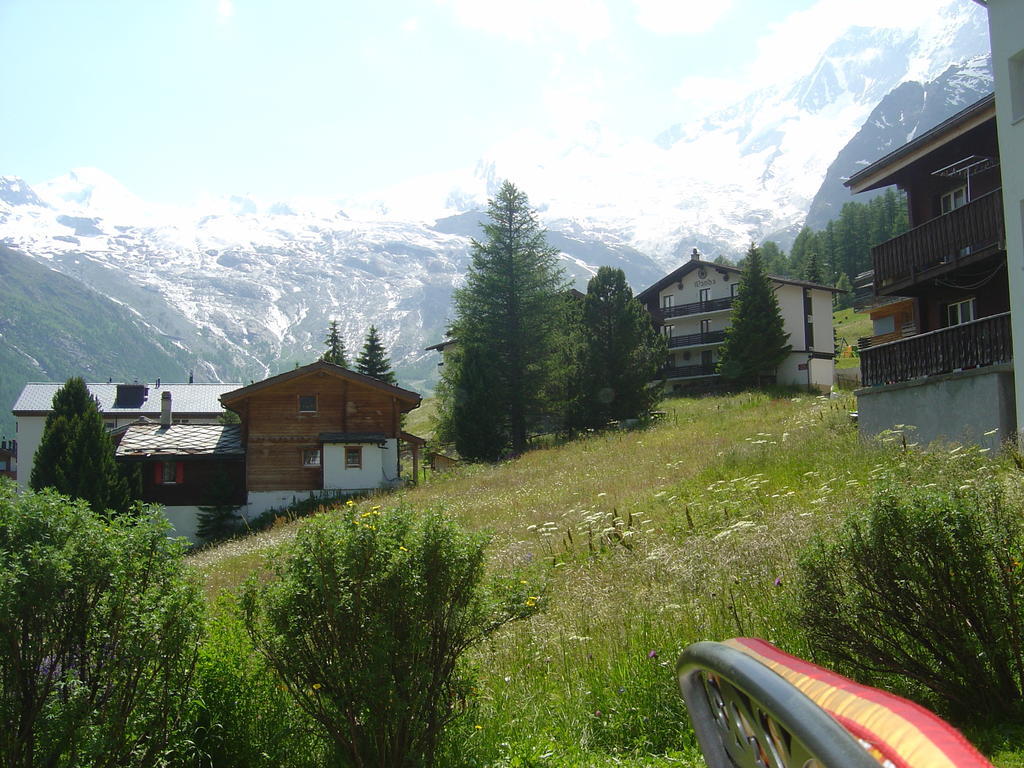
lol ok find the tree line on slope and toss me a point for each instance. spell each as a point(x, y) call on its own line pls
point(372, 361)
point(836, 254)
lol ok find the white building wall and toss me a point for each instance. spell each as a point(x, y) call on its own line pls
point(30, 434)
point(380, 466)
point(1006, 29)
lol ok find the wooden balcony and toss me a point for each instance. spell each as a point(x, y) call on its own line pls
point(982, 342)
point(694, 308)
point(973, 230)
point(688, 371)
point(696, 339)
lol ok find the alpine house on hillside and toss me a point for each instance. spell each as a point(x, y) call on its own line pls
point(693, 307)
point(120, 404)
point(941, 357)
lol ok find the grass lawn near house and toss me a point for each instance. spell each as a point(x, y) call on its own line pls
point(649, 540)
point(851, 326)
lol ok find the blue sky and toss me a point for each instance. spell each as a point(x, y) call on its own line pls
point(184, 98)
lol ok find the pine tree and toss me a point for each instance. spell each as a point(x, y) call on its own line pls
point(76, 456)
point(812, 270)
point(845, 299)
point(755, 342)
point(506, 316)
point(622, 351)
point(335, 346)
point(373, 360)
point(478, 428)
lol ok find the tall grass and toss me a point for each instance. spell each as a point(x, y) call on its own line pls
point(650, 540)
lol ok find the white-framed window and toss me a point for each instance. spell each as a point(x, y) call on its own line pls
point(705, 326)
point(307, 403)
point(734, 289)
point(311, 457)
point(353, 457)
point(961, 312)
point(953, 199)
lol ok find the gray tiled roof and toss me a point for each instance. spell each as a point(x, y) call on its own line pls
point(185, 398)
point(181, 440)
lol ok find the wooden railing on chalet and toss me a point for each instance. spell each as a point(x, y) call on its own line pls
point(981, 342)
point(687, 371)
point(696, 339)
point(945, 239)
point(694, 308)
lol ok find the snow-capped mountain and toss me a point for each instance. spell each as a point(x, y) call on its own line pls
point(255, 283)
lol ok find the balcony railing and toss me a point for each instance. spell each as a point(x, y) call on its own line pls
point(943, 240)
point(695, 308)
point(981, 342)
point(688, 371)
point(696, 339)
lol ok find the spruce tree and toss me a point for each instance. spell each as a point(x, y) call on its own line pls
point(622, 351)
point(812, 270)
point(76, 455)
point(335, 346)
point(373, 360)
point(506, 318)
point(755, 342)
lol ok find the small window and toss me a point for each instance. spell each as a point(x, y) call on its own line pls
point(960, 312)
point(170, 473)
point(353, 457)
point(666, 301)
point(705, 295)
point(307, 403)
point(954, 199)
point(734, 288)
point(705, 326)
point(311, 457)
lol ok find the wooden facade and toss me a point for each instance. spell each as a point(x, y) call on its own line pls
point(285, 418)
point(198, 483)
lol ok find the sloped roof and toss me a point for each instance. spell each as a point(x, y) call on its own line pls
point(335, 370)
point(146, 440)
point(693, 264)
point(192, 399)
point(879, 173)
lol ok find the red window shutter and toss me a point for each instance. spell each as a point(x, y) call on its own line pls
point(158, 473)
point(179, 472)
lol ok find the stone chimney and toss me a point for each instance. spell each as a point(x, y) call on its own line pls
point(165, 409)
point(695, 256)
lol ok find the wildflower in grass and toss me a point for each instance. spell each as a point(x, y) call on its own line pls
point(778, 581)
point(652, 654)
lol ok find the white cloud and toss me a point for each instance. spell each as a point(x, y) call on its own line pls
point(586, 21)
point(793, 46)
point(679, 17)
point(225, 9)
point(702, 94)
point(410, 25)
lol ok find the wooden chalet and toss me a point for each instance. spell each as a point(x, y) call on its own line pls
point(940, 302)
point(320, 428)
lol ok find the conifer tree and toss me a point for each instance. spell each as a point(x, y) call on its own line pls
point(755, 342)
point(622, 351)
point(373, 360)
point(76, 456)
point(335, 346)
point(506, 316)
point(812, 270)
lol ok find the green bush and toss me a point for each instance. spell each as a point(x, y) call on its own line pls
point(924, 594)
point(99, 627)
point(244, 717)
point(366, 622)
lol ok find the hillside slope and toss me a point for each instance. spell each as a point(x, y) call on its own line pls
point(53, 327)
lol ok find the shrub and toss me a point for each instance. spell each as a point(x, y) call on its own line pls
point(925, 593)
point(244, 717)
point(99, 627)
point(366, 622)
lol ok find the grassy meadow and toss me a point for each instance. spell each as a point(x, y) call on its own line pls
point(647, 541)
